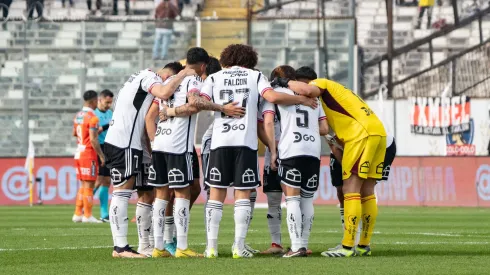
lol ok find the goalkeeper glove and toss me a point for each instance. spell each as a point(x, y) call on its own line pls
point(281, 82)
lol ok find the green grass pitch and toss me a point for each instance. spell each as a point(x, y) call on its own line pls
point(408, 240)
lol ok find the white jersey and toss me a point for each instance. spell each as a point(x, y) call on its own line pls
point(300, 129)
point(130, 108)
point(242, 85)
point(176, 134)
point(206, 138)
point(277, 132)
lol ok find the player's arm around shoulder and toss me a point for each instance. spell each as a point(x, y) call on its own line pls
point(167, 89)
point(280, 98)
point(309, 90)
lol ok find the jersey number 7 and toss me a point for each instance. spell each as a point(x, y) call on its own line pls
point(229, 95)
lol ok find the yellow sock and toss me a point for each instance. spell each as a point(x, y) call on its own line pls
point(352, 216)
point(369, 214)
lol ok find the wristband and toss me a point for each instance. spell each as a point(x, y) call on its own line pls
point(171, 112)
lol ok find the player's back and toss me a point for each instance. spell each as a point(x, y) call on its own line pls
point(176, 134)
point(84, 121)
point(130, 107)
point(300, 130)
point(235, 84)
point(347, 114)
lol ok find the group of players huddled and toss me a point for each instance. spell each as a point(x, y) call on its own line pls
point(149, 147)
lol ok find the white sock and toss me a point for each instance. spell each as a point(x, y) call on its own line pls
point(274, 213)
point(342, 217)
point(308, 213)
point(159, 221)
point(168, 232)
point(150, 237)
point(118, 215)
point(214, 212)
point(181, 217)
point(242, 220)
point(294, 221)
point(253, 198)
point(358, 234)
point(143, 224)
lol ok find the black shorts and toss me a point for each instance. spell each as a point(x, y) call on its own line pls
point(233, 166)
point(103, 170)
point(142, 178)
point(300, 172)
point(195, 165)
point(204, 165)
point(170, 169)
point(271, 180)
point(335, 171)
point(389, 157)
point(122, 163)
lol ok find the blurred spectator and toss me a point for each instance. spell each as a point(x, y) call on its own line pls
point(115, 10)
point(5, 6)
point(425, 5)
point(165, 13)
point(98, 4)
point(37, 5)
point(70, 1)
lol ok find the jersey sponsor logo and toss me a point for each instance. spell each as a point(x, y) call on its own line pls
point(460, 144)
point(214, 174)
point(175, 175)
point(115, 175)
point(248, 176)
point(293, 175)
point(483, 182)
point(440, 115)
point(298, 137)
point(235, 127)
point(163, 131)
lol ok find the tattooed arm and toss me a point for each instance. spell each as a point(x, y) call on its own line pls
point(202, 103)
point(184, 110)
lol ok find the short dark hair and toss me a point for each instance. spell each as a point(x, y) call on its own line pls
point(306, 72)
point(176, 67)
point(283, 71)
point(239, 55)
point(197, 55)
point(213, 66)
point(106, 93)
point(89, 95)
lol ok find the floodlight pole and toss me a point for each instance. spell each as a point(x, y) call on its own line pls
point(25, 92)
point(389, 14)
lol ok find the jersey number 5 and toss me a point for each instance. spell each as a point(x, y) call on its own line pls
point(302, 119)
point(228, 96)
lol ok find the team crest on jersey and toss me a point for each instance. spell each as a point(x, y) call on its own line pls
point(175, 175)
point(248, 176)
point(115, 175)
point(293, 175)
point(364, 168)
point(312, 182)
point(214, 174)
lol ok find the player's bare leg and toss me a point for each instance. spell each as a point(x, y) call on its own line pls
point(181, 218)
point(294, 221)
point(88, 199)
point(352, 203)
point(162, 196)
point(195, 191)
point(214, 213)
point(169, 236)
point(143, 221)
point(369, 215)
point(118, 216)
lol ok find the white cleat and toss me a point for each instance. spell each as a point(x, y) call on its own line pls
point(76, 218)
point(146, 250)
point(244, 253)
point(90, 219)
point(210, 253)
point(250, 249)
point(339, 246)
